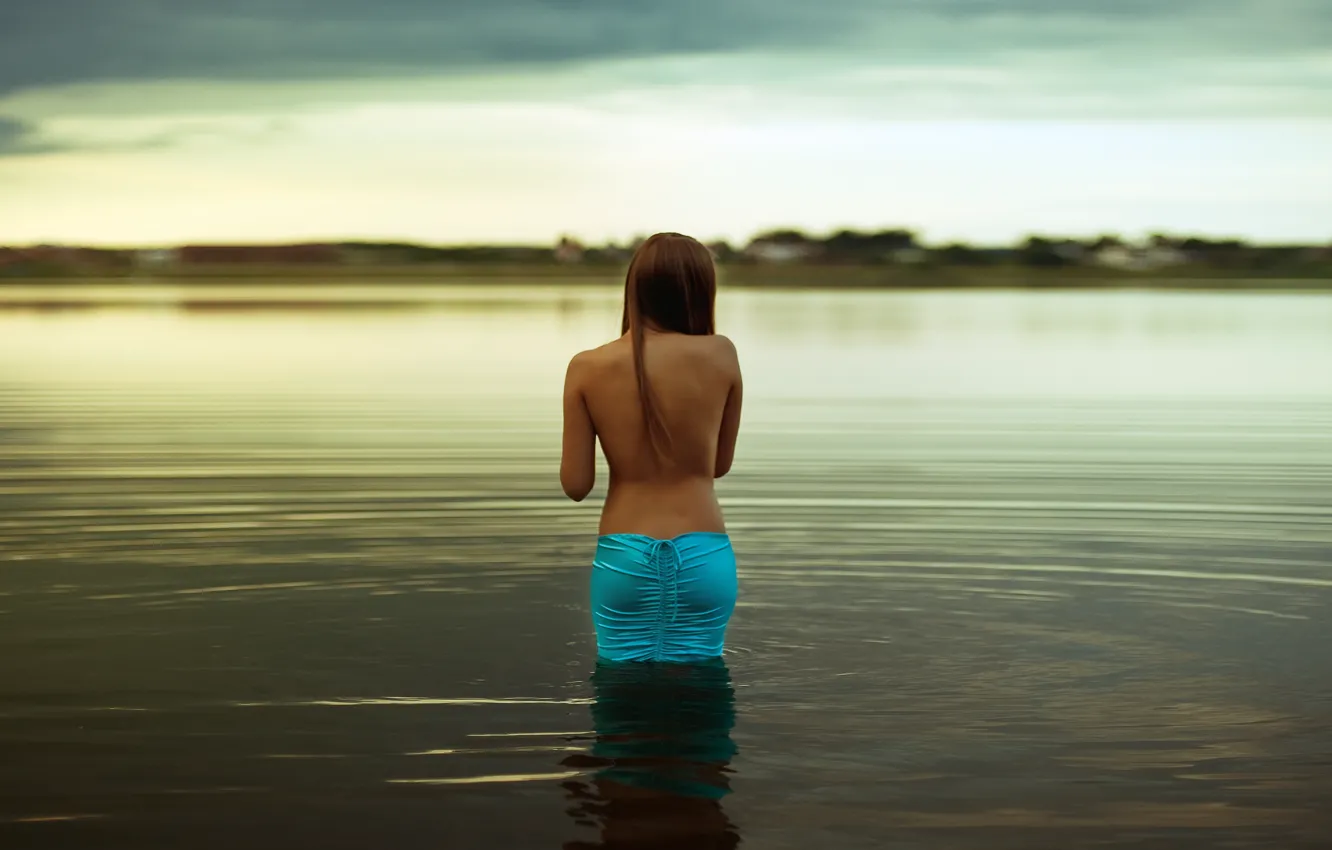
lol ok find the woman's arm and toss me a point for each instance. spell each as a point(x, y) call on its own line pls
point(578, 470)
point(730, 424)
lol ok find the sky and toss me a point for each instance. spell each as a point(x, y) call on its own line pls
point(146, 122)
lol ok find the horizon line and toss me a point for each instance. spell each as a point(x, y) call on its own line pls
point(819, 235)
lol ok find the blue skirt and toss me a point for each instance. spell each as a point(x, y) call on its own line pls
point(662, 600)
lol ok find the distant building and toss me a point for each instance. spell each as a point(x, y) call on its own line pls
point(569, 250)
point(781, 247)
point(1115, 257)
point(156, 258)
point(769, 252)
point(1156, 255)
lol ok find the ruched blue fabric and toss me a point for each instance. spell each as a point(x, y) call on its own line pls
point(662, 600)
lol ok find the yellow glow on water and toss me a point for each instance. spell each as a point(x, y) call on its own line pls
point(470, 339)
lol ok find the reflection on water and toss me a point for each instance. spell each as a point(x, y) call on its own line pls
point(1017, 570)
point(660, 757)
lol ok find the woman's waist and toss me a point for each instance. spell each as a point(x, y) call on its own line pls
point(685, 486)
point(659, 557)
point(662, 509)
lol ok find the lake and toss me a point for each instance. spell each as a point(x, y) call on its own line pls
point(1018, 569)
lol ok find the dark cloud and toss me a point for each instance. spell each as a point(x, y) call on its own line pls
point(49, 42)
point(19, 138)
point(26, 138)
point(44, 42)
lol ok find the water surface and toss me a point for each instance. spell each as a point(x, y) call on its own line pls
point(1018, 569)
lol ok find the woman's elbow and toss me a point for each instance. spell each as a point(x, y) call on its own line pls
point(576, 490)
point(577, 494)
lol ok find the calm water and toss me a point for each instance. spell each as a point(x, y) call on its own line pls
point(1018, 570)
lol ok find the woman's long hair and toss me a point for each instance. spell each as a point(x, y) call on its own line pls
point(671, 286)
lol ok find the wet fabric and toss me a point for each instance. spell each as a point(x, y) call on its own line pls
point(662, 600)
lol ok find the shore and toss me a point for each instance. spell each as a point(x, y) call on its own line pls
point(783, 276)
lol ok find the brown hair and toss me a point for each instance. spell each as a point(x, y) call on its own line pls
point(671, 286)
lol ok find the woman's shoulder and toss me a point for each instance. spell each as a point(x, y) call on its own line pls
point(600, 352)
point(725, 345)
point(713, 349)
point(723, 349)
point(593, 358)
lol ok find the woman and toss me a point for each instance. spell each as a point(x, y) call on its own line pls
point(664, 400)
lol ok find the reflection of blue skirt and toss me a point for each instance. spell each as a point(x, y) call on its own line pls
point(665, 726)
point(662, 600)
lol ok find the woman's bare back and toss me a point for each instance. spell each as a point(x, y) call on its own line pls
point(696, 384)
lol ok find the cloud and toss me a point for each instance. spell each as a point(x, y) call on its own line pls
point(58, 42)
point(21, 138)
point(78, 41)
point(130, 75)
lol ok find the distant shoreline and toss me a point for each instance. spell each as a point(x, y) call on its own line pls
point(794, 276)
